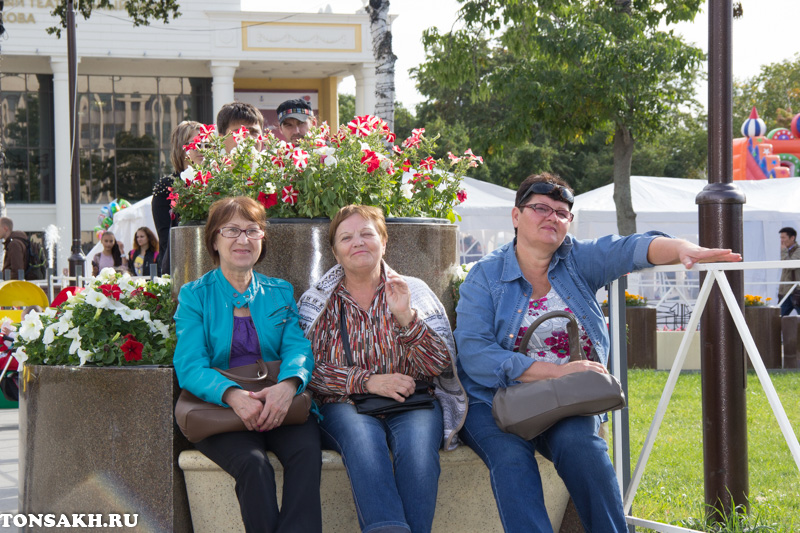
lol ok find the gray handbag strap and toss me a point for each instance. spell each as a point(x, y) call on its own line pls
point(575, 352)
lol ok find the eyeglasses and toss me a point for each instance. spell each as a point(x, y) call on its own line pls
point(232, 232)
point(544, 210)
point(545, 187)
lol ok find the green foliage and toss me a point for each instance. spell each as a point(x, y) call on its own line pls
point(115, 321)
point(141, 12)
point(347, 107)
point(775, 92)
point(671, 489)
point(325, 171)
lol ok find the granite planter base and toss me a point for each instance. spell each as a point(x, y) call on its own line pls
point(298, 251)
point(790, 330)
point(102, 440)
point(764, 323)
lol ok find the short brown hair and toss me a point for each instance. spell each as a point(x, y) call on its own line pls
point(373, 214)
point(544, 177)
point(223, 210)
point(238, 112)
point(182, 135)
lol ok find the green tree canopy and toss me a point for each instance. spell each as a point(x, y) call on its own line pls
point(775, 92)
point(572, 68)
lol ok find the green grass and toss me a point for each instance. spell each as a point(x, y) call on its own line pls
point(672, 489)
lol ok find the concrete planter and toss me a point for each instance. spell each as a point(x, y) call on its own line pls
point(764, 323)
point(298, 251)
point(102, 440)
point(668, 342)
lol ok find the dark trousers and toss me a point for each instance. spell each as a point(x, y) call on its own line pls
point(242, 454)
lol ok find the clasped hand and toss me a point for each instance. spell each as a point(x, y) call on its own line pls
point(263, 410)
point(395, 386)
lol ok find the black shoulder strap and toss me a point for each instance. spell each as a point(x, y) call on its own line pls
point(343, 334)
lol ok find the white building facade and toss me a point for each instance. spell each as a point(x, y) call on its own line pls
point(135, 84)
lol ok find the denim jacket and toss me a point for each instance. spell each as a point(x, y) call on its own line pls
point(204, 325)
point(495, 295)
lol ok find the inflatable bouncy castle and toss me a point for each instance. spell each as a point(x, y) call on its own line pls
point(761, 155)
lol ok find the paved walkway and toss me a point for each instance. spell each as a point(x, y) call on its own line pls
point(9, 462)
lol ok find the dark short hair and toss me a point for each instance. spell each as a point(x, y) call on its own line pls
point(238, 112)
point(373, 214)
point(223, 210)
point(789, 231)
point(544, 177)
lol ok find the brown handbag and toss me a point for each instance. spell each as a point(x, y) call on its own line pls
point(529, 409)
point(198, 419)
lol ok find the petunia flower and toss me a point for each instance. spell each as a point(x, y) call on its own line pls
point(267, 200)
point(289, 195)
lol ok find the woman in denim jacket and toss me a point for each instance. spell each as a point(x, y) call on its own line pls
point(545, 269)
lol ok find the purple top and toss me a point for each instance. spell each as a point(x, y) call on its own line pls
point(245, 349)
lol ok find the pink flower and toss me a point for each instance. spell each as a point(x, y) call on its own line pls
point(411, 142)
point(371, 160)
point(462, 196)
point(428, 163)
point(396, 149)
point(453, 158)
point(300, 158)
point(205, 131)
point(390, 135)
point(417, 132)
point(202, 178)
point(278, 161)
point(289, 195)
point(359, 126)
point(268, 200)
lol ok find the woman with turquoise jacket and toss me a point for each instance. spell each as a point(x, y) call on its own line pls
point(233, 316)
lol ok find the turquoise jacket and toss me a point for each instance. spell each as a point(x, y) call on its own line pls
point(204, 324)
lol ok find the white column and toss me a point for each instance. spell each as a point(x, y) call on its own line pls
point(365, 89)
point(63, 158)
point(222, 73)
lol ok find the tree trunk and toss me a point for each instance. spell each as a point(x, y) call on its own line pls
point(623, 153)
point(378, 11)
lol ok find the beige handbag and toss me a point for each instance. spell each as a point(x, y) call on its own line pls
point(529, 409)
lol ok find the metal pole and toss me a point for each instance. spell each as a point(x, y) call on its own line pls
point(722, 357)
point(77, 256)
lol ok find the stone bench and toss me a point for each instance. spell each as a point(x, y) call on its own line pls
point(465, 502)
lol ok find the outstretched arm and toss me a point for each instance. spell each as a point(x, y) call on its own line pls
point(665, 251)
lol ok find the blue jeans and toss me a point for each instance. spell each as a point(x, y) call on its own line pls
point(579, 455)
point(388, 498)
point(787, 306)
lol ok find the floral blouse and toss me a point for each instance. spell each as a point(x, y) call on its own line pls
point(550, 341)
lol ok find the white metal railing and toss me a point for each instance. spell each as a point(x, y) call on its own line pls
point(715, 274)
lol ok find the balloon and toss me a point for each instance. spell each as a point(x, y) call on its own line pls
point(99, 234)
point(100, 218)
point(124, 204)
point(113, 207)
point(107, 222)
point(104, 211)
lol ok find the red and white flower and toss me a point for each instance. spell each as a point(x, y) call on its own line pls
point(289, 195)
point(300, 159)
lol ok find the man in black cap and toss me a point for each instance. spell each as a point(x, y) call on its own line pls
point(294, 119)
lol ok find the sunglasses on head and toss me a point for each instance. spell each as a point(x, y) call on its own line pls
point(545, 187)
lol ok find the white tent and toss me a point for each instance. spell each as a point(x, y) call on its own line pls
point(668, 204)
point(485, 219)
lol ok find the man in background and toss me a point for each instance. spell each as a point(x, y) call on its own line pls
point(789, 251)
point(233, 116)
point(15, 244)
point(294, 119)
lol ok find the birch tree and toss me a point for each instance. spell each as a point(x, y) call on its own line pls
point(378, 11)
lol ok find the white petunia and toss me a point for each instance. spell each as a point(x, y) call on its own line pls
point(161, 328)
point(50, 312)
point(84, 355)
point(162, 280)
point(31, 327)
point(331, 161)
point(96, 299)
point(325, 150)
point(107, 275)
point(269, 188)
point(127, 314)
point(20, 355)
point(406, 190)
point(50, 333)
point(188, 174)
